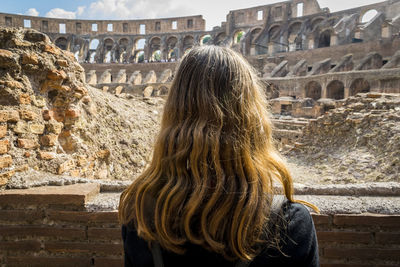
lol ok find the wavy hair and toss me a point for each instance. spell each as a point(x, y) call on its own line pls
point(210, 180)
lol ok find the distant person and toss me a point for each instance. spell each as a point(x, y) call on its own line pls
point(207, 197)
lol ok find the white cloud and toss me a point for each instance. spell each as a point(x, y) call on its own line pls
point(61, 13)
point(80, 10)
point(134, 9)
point(32, 12)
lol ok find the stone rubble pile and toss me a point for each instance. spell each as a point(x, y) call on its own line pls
point(52, 121)
point(357, 142)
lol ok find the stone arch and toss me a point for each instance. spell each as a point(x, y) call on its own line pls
point(188, 42)
point(254, 33)
point(94, 43)
point(294, 42)
point(332, 21)
point(315, 22)
point(238, 36)
point(108, 47)
point(272, 91)
point(62, 43)
point(123, 44)
point(368, 15)
point(313, 90)
point(274, 32)
point(335, 90)
point(324, 39)
point(220, 38)
point(359, 85)
point(172, 49)
point(163, 91)
point(205, 39)
point(155, 46)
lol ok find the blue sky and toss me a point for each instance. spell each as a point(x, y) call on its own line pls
point(213, 11)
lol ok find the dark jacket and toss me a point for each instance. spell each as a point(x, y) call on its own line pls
point(299, 247)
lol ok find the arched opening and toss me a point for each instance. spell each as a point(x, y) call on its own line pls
point(369, 15)
point(205, 39)
point(155, 46)
point(272, 91)
point(313, 90)
point(274, 42)
point(163, 91)
point(253, 36)
point(94, 44)
point(139, 57)
point(359, 86)
point(62, 43)
point(123, 47)
point(140, 43)
point(238, 36)
point(108, 46)
point(335, 90)
point(220, 38)
point(172, 54)
point(188, 42)
point(324, 39)
point(156, 56)
point(295, 43)
point(315, 23)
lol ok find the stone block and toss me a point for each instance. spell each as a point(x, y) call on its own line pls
point(24, 99)
point(27, 143)
point(28, 115)
point(65, 166)
point(36, 128)
point(75, 195)
point(54, 127)
point(5, 161)
point(21, 127)
point(3, 130)
point(46, 155)
point(9, 116)
point(4, 146)
point(48, 140)
point(30, 58)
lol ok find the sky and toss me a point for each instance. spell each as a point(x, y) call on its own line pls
point(213, 11)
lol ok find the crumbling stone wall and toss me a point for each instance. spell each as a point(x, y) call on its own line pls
point(52, 121)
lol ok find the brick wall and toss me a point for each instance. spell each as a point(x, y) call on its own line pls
point(40, 228)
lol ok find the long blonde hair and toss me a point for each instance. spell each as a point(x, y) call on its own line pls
point(210, 180)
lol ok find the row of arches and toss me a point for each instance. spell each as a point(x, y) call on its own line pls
point(334, 89)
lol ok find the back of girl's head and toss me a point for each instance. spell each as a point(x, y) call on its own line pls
point(210, 179)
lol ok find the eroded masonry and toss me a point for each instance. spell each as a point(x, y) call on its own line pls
point(80, 104)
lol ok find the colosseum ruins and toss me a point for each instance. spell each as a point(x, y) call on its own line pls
point(81, 100)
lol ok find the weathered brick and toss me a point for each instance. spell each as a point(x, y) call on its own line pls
point(39, 261)
point(21, 127)
point(367, 220)
point(62, 63)
point(24, 99)
point(9, 116)
point(45, 231)
point(3, 130)
point(30, 58)
point(46, 155)
point(104, 233)
point(54, 127)
point(4, 146)
point(28, 115)
point(27, 143)
point(72, 113)
point(362, 253)
point(56, 75)
point(5, 161)
point(5, 177)
point(75, 247)
point(344, 237)
point(51, 49)
point(84, 217)
point(387, 238)
point(28, 216)
point(47, 114)
point(36, 128)
point(321, 219)
point(48, 140)
point(28, 245)
point(73, 195)
point(105, 262)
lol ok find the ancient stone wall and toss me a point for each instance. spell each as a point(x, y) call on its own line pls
point(265, 30)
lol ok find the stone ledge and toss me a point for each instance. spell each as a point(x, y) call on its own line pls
point(75, 195)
